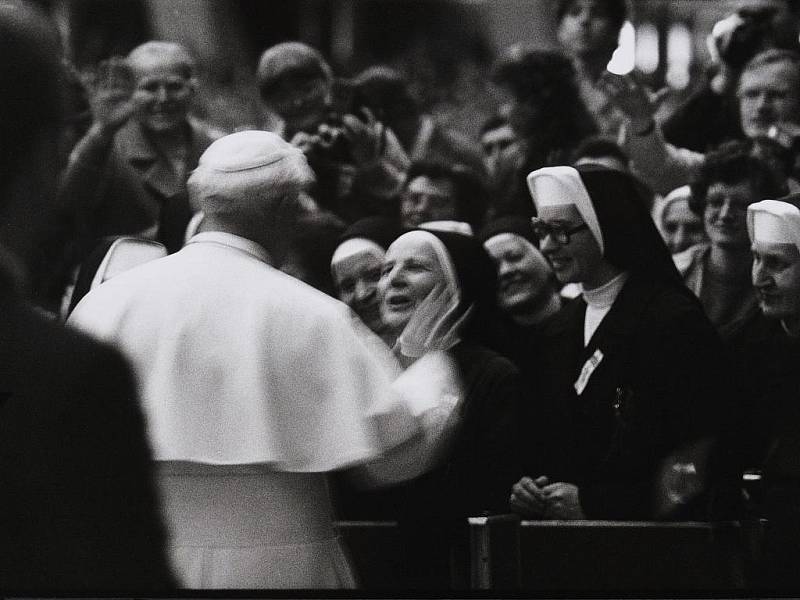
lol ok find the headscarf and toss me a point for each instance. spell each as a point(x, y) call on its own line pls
point(471, 295)
point(521, 228)
point(610, 204)
point(509, 224)
point(774, 221)
point(438, 317)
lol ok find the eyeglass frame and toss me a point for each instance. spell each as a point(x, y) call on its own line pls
point(562, 236)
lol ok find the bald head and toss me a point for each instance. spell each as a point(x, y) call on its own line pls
point(156, 54)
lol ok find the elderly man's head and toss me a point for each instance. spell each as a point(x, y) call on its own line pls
point(165, 85)
point(769, 91)
point(774, 228)
point(248, 183)
point(30, 123)
point(295, 82)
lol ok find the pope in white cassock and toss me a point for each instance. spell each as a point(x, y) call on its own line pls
point(254, 385)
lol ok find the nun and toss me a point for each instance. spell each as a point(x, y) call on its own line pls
point(633, 369)
point(356, 268)
point(768, 356)
point(437, 292)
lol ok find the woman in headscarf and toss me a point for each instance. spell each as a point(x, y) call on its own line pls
point(679, 225)
point(438, 299)
point(527, 288)
point(633, 365)
point(356, 268)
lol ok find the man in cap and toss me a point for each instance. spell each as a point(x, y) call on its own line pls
point(129, 171)
point(254, 384)
point(78, 512)
point(358, 161)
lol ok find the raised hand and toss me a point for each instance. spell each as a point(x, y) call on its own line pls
point(111, 94)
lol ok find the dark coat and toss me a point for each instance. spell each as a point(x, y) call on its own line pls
point(653, 391)
point(78, 509)
point(768, 439)
point(476, 478)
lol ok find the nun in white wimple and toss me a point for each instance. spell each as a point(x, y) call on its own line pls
point(438, 292)
point(253, 384)
point(774, 228)
point(631, 365)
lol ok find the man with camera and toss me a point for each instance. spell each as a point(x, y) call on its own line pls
point(357, 161)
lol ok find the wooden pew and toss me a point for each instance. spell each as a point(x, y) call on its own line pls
point(509, 554)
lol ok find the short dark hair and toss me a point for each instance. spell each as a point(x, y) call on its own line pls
point(617, 11)
point(596, 146)
point(492, 123)
point(470, 193)
point(731, 163)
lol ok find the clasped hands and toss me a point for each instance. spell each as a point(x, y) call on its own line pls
point(538, 498)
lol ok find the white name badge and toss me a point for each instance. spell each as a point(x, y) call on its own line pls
point(586, 372)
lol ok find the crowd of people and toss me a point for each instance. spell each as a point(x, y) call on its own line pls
point(216, 344)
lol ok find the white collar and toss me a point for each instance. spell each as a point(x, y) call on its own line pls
point(230, 240)
point(605, 295)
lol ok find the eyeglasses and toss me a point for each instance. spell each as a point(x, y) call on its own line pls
point(541, 229)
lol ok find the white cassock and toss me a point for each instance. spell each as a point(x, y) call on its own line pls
point(253, 385)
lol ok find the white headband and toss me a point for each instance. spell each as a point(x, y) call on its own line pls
point(355, 246)
point(562, 186)
point(774, 222)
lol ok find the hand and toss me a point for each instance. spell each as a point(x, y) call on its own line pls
point(562, 502)
point(365, 136)
point(306, 141)
point(633, 99)
point(111, 94)
point(527, 498)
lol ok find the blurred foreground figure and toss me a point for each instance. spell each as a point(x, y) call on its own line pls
point(78, 511)
point(254, 384)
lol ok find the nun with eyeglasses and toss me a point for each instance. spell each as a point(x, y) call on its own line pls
point(632, 371)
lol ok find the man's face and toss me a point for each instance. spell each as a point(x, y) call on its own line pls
point(427, 199)
point(682, 227)
point(301, 100)
point(725, 214)
point(586, 29)
point(768, 95)
point(776, 277)
point(497, 144)
point(162, 95)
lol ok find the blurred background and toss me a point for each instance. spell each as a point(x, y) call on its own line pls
point(445, 47)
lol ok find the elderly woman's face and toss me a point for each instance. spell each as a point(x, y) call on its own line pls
point(725, 214)
point(578, 260)
point(356, 278)
point(411, 270)
point(681, 226)
point(776, 277)
point(522, 273)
